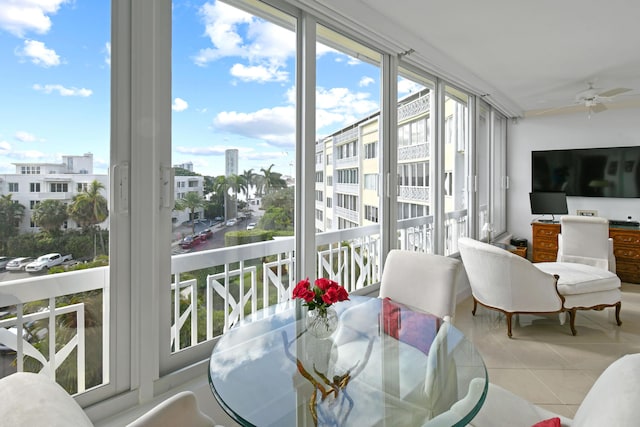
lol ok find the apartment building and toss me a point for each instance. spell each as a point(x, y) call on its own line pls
point(34, 182)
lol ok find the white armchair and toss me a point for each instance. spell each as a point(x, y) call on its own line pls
point(421, 280)
point(585, 240)
point(503, 281)
point(509, 283)
point(611, 401)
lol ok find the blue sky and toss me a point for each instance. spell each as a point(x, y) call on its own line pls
point(233, 85)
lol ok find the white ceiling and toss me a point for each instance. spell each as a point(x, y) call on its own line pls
point(531, 56)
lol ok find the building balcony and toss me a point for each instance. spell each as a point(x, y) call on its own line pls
point(414, 194)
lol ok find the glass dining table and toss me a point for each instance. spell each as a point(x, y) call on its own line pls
point(386, 364)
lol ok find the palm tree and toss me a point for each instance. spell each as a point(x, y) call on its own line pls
point(272, 180)
point(250, 179)
point(50, 215)
point(89, 208)
point(11, 213)
point(192, 201)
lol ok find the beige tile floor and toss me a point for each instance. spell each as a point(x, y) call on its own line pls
point(543, 362)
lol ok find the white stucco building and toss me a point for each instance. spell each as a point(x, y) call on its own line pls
point(34, 182)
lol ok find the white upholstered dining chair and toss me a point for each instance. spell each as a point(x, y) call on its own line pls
point(424, 281)
point(585, 240)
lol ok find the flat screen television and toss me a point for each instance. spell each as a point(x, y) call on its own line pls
point(588, 172)
point(548, 203)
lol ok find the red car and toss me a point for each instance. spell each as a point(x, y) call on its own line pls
point(189, 241)
point(205, 234)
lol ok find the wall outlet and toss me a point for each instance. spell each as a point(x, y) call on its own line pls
point(586, 213)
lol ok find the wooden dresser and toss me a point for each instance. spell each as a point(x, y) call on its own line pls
point(545, 241)
point(626, 248)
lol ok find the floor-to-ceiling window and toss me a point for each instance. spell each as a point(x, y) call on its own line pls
point(55, 167)
point(233, 132)
point(415, 203)
point(456, 167)
point(482, 172)
point(348, 167)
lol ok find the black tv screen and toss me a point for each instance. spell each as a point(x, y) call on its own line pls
point(588, 172)
point(548, 203)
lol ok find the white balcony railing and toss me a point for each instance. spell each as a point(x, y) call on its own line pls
point(63, 319)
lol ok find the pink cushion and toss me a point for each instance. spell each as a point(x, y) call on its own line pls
point(411, 327)
point(551, 422)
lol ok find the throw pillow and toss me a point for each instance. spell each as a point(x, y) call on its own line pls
point(551, 422)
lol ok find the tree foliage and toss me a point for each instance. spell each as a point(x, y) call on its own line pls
point(89, 207)
point(191, 201)
point(279, 210)
point(50, 215)
point(11, 213)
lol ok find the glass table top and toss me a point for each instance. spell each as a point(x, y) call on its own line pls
point(386, 364)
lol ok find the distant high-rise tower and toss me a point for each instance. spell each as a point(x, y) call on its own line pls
point(230, 168)
point(231, 162)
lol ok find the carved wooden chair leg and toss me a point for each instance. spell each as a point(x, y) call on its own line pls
point(509, 323)
point(475, 306)
point(618, 307)
point(572, 321)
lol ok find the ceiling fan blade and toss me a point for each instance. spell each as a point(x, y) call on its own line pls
point(598, 108)
point(614, 92)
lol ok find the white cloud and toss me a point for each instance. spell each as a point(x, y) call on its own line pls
point(366, 81)
point(20, 17)
point(273, 125)
point(107, 50)
point(25, 137)
point(179, 104)
point(406, 87)
point(340, 106)
point(259, 73)
point(63, 91)
point(5, 147)
point(233, 33)
point(39, 54)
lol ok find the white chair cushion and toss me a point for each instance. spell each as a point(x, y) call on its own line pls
point(613, 398)
point(579, 278)
point(34, 400)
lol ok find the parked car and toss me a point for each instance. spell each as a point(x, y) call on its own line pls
point(251, 226)
point(189, 241)
point(231, 222)
point(19, 264)
point(47, 261)
point(4, 260)
point(205, 234)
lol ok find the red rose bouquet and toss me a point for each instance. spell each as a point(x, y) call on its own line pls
point(321, 295)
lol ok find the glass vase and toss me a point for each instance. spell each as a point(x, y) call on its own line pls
point(321, 323)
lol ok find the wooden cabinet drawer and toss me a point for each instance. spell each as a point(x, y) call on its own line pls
point(626, 253)
point(544, 256)
point(625, 238)
point(546, 244)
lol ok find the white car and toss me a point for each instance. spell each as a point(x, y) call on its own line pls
point(47, 261)
point(18, 264)
point(251, 226)
point(231, 222)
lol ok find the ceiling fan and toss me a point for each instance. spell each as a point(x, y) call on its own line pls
point(595, 98)
point(592, 98)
